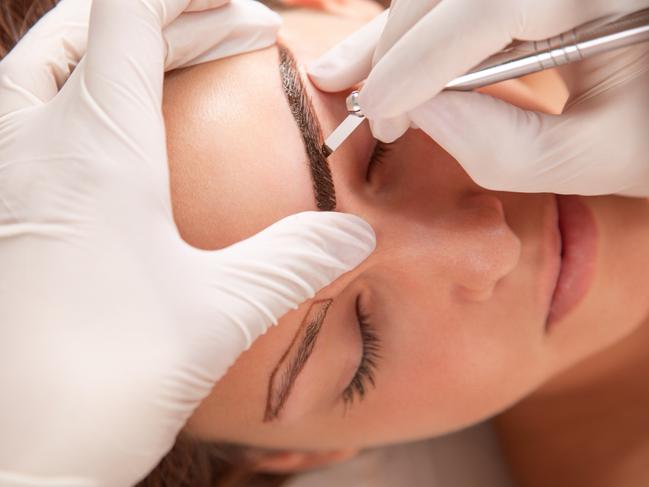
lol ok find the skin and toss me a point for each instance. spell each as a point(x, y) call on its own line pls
point(588, 425)
point(457, 290)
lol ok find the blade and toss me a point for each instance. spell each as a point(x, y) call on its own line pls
point(341, 133)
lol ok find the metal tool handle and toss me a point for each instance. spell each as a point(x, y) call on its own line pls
point(521, 58)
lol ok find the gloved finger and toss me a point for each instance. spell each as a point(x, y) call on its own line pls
point(486, 136)
point(237, 28)
point(258, 280)
point(389, 129)
point(432, 52)
point(403, 17)
point(34, 71)
point(499, 145)
point(597, 73)
point(123, 73)
point(505, 148)
point(350, 61)
point(453, 37)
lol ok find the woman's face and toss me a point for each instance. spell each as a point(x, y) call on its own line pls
point(444, 325)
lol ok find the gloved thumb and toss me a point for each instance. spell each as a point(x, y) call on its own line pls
point(503, 147)
point(350, 61)
point(255, 282)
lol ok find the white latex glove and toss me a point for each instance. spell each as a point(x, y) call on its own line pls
point(112, 329)
point(598, 145)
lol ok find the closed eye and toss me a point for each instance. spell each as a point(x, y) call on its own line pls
point(364, 378)
point(381, 149)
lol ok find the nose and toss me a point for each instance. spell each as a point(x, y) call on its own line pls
point(468, 247)
point(481, 248)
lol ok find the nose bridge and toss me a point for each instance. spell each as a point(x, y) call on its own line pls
point(481, 249)
point(469, 245)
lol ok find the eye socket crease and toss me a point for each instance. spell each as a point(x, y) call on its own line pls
point(308, 123)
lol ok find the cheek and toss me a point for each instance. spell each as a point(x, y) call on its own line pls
point(452, 367)
point(461, 380)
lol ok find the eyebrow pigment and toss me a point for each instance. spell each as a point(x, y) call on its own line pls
point(307, 121)
point(292, 362)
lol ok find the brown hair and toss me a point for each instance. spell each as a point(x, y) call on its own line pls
point(191, 462)
point(16, 17)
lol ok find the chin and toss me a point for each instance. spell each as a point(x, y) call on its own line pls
point(605, 330)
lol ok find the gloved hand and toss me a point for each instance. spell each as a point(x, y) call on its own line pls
point(112, 329)
point(597, 146)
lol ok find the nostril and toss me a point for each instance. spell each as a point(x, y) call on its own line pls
point(485, 262)
point(486, 249)
point(476, 294)
point(484, 201)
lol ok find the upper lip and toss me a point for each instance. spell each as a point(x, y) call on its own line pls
point(552, 252)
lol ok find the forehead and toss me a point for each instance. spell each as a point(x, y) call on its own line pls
point(237, 163)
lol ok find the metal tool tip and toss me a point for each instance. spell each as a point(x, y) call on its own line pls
point(326, 150)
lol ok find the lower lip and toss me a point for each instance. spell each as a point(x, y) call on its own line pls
point(579, 250)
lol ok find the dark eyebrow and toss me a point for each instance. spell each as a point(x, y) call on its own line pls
point(307, 121)
point(292, 362)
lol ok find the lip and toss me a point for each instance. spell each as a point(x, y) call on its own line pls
point(577, 230)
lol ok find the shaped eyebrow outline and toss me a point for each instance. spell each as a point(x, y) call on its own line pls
point(288, 368)
point(308, 123)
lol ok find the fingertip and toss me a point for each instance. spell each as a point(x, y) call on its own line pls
point(332, 73)
point(322, 73)
point(355, 242)
point(389, 130)
point(285, 264)
point(374, 105)
point(359, 229)
point(233, 29)
point(345, 234)
point(349, 62)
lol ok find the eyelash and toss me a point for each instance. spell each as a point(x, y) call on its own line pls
point(364, 376)
point(381, 149)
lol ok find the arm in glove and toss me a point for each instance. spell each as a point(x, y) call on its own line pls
point(596, 146)
point(112, 329)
